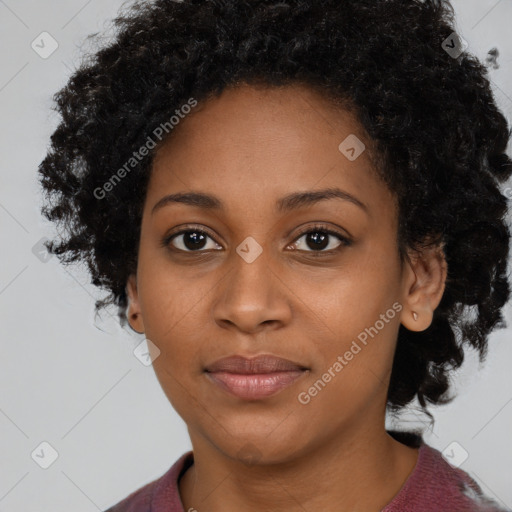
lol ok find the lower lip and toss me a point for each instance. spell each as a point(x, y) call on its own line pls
point(254, 386)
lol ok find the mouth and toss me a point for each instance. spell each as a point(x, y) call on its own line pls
point(254, 386)
point(265, 363)
point(255, 378)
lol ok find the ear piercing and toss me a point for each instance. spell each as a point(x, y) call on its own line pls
point(415, 315)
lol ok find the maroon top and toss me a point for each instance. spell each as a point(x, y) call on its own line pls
point(433, 485)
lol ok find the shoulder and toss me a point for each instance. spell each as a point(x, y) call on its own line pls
point(137, 501)
point(434, 484)
point(161, 494)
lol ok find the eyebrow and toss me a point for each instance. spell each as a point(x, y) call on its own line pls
point(287, 203)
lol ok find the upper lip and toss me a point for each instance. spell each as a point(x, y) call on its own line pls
point(260, 364)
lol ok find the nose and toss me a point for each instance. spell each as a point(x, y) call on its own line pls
point(252, 297)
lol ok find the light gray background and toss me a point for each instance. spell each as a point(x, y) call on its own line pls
point(74, 382)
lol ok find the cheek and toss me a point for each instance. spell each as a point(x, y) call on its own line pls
point(355, 314)
point(354, 357)
point(172, 322)
point(171, 309)
point(358, 323)
point(352, 297)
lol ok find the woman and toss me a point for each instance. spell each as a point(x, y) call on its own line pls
point(298, 204)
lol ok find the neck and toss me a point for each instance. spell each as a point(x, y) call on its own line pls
point(358, 472)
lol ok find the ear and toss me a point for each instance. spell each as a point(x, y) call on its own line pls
point(134, 312)
point(424, 284)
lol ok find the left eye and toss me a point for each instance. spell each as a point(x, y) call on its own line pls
point(320, 240)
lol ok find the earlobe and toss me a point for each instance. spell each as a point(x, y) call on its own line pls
point(424, 287)
point(134, 313)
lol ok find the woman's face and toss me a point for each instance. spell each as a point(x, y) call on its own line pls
point(256, 285)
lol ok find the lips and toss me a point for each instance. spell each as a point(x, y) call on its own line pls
point(260, 364)
point(256, 378)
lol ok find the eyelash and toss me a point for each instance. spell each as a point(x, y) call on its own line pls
point(317, 228)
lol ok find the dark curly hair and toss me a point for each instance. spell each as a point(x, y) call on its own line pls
point(438, 141)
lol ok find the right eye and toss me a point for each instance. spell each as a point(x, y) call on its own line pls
point(190, 240)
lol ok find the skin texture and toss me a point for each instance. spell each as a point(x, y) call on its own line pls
point(250, 147)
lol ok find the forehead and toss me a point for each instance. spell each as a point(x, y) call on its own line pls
point(260, 143)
